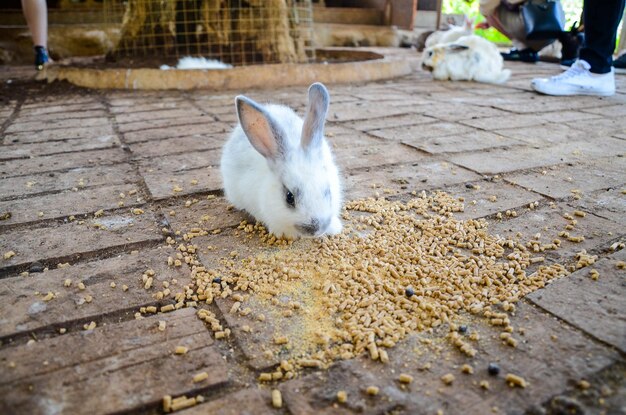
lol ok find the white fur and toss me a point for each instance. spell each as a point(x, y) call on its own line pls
point(189, 62)
point(480, 61)
point(256, 184)
point(452, 34)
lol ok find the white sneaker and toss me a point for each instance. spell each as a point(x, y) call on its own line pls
point(577, 80)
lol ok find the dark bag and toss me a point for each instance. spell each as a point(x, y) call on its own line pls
point(543, 19)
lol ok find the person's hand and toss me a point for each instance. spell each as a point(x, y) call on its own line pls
point(482, 25)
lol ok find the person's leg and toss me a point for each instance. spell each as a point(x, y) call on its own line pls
point(36, 13)
point(601, 20)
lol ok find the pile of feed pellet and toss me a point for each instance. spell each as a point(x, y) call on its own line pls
point(398, 267)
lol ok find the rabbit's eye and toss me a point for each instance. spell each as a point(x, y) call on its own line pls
point(430, 53)
point(290, 199)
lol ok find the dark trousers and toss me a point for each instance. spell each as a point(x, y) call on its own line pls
point(601, 20)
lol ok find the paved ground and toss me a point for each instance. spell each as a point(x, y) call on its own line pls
point(69, 153)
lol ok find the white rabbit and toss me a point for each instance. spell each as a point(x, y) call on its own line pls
point(189, 62)
point(280, 169)
point(453, 33)
point(470, 58)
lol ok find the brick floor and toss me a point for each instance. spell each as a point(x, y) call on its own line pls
point(70, 152)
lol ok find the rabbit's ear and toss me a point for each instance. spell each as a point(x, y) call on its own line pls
point(262, 131)
point(456, 48)
point(313, 128)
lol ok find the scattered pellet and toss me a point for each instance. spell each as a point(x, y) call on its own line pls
point(181, 350)
point(404, 378)
point(467, 369)
point(448, 378)
point(162, 325)
point(265, 377)
point(372, 390)
point(277, 399)
point(281, 340)
point(514, 380)
point(484, 384)
point(199, 377)
point(342, 397)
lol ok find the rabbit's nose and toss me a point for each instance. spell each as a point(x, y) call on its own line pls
point(316, 227)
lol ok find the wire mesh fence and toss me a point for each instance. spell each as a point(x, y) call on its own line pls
point(238, 32)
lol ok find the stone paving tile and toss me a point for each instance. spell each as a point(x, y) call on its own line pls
point(541, 105)
point(601, 127)
point(507, 197)
point(415, 132)
point(251, 401)
point(364, 111)
point(132, 106)
point(60, 110)
point(62, 123)
point(144, 116)
point(455, 112)
point(182, 162)
point(212, 128)
point(559, 181)
point(198, 142)
point(53, 103)
point(505, 121)
point(518, 158)
point(537, 359)
point(68, 202)
point(609, 204)
point(21, 167)
point(81, 177)
point(606, 111)
point(344, 138)
point(152, 366)
point(596, 307)
point(163, 185)
point(207, 214)
point(46, 135)
point(385, 122)
point(54, 147)
point(404, 178)
point(25, 116)
point(89, 340)
point(544, 134)
point(165, 123)
point(360, 157)
point(50, 244)
point(599, 233)
point(133, 99)
point(24, 311)
point(470, 141)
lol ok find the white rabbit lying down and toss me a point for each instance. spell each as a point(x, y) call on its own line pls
point(470, 58)
point(453, 33)
point(280, 169)
point(189, 62)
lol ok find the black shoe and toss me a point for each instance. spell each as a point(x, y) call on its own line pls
point(525, 55)
point(572, 41)
point(41, 57)
point(620, 64)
